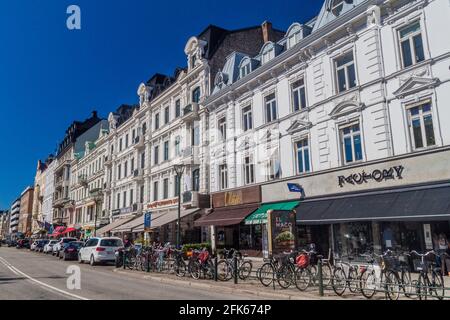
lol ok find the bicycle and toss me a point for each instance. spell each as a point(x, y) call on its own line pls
point(327, 267)
point(345, 275)
point(281, 268)
point(226, 269)
point(426, 286)
point(202, 264)
point(179, 266)
point(388, 280)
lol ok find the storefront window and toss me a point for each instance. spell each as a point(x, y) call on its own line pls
point(353, 239)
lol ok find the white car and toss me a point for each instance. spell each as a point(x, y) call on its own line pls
point(33, 245)
point(97, 250)
point(48, 248)
point(57, 247)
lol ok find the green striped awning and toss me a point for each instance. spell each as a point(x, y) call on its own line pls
point(260, 215)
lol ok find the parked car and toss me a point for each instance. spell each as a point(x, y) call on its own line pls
point(48, 248)
point(40, 245)
point(23, 244)
point(69, 250)
point(100, 250)
point(57, 247)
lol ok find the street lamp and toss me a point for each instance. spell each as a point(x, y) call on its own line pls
point(179, 169)
point(97, 195)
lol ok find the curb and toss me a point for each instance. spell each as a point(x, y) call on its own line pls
point(256, 293)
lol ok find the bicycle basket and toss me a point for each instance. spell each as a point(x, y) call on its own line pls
point(419, 266)
point(391, 263)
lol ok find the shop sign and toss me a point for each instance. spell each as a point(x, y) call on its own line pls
point(377, 175)
point(233, 198)
point(282, 231)
point(126, 210)
point(162, 203)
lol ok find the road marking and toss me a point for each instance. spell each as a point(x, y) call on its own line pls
point(40, 283)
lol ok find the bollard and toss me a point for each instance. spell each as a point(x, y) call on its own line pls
point(215, 268)
point(235, 265)
point(148, 261)
point(124, 259)
point(320, 274)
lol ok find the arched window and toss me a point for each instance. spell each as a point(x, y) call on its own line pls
point(293, 35)
point(338, 5)
point(268, 53)
point(245, 68)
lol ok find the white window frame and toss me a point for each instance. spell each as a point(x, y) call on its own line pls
point(166, 143)
point(293, 37)
point(245, 69)
point(270, 102)
point(223, 176)
point(298, 91)
point(352, 135)
point(420, 116)
point(345, 67)
point(249, 170)
point(410, 38)
point(222, 125)
point(296, 150)
point(246, 114)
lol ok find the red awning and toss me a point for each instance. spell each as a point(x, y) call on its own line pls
point(68, 230)
point(59, 230)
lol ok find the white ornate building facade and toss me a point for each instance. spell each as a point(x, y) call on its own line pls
point(351, 106)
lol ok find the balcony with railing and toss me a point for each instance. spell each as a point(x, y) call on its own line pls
point(190, 112)
point(83, 180)
point(191, 154)
point(138, 174)
point(138, 142)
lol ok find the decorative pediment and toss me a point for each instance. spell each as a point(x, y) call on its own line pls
point(246, 144)
point(299, 125)
point(345, 108)
point(416, 84)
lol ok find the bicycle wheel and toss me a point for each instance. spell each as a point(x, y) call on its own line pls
point(313, 270)
point(302, 278)
point(266, 274)
point(209, 270)
point(196, 270)
point(143, 263)
point(245, 270)
point(223, 270)
point(179, 268)
point(353, 281)
point(437, 289)
point(368, 284)
point(392, 285)
point(407, 285)
point(327, 273)
point(285, 276)
point(422, 287)
point(339, 281)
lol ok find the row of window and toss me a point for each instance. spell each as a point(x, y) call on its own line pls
point(124, 165)
point(165, 183)
point(420, 122)
point(410, 47)
point(126, 198)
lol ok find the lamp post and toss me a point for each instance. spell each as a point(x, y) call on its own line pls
point(179, 169)
point(97, 195)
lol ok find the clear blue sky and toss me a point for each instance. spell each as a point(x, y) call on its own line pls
point(50, 76)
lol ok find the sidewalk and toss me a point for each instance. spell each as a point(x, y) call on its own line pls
point(253, 287)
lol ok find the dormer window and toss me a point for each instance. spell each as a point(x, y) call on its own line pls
point(245, 68)
point(268, 53)
point(338, 5)
point(293, 36)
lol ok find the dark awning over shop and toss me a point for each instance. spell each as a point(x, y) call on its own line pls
point(425, 203)
point(227, 216)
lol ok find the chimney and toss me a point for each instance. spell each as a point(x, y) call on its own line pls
point(267, 31)
point(94, 114)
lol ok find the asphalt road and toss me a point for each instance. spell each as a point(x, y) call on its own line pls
point(26, 275)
